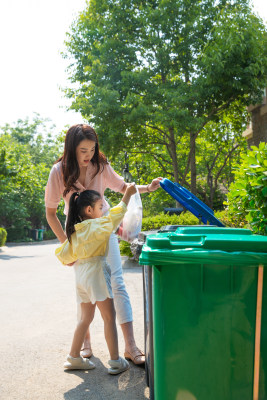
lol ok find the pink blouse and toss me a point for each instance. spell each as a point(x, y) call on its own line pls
point(55, 185)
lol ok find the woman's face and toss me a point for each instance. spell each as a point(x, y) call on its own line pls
point(85, 152)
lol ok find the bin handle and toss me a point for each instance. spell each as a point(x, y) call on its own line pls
point(192, 240)
point(258, 335)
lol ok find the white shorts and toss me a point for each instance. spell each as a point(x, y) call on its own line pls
point(93, 280)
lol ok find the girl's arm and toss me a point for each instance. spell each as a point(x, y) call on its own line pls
point(116, 213)
point(55, 225)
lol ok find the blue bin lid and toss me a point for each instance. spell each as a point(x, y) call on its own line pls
point(190, 202)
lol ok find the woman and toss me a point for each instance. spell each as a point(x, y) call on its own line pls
point(82, 167)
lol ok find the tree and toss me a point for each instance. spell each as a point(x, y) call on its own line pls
point(219, 150)
point(26, 158)
point(152, 74)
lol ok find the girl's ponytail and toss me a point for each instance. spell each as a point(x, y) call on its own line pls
point(73, 215)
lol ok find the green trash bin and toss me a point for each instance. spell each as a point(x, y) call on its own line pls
point(40, 234)
point(210, 343)
point(34, 234)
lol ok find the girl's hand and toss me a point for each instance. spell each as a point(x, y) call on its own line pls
point(154, 185)
point(71, 264)
point(131, 189)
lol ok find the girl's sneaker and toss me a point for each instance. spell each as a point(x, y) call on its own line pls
point(78, 363)
point(118, 366)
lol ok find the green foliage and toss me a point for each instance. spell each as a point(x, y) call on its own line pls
point(219, 149)
point(231, 221)
point(49, 234)
point(125, 249)
point(26, 158)
point(160, 220)
point(186, 218)
point(247, 198)
point(3, 235)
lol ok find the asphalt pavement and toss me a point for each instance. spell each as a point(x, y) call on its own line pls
point(37, 321)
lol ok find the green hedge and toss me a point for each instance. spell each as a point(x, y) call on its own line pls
point(3, 236)
point(16, 233)
point(156, 222)
point(48, 235)
point(231, 221)
point(187, 218)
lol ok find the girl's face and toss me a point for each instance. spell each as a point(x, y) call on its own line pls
point(96, 211)
point(85, 152)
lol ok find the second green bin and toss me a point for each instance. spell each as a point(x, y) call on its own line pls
point(206, 287)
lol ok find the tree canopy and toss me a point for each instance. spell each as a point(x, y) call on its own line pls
point(151, 75)
point(27, 153)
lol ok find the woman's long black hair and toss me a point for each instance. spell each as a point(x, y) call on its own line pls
point(78, 201)
point(70, 166)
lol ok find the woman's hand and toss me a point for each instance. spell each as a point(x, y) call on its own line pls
point(154, 185)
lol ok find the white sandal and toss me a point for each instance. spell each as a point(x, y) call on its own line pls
point(86, 352)
point(78, 363)
point(118, 366)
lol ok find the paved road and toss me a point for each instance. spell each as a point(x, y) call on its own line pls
point(37, 320)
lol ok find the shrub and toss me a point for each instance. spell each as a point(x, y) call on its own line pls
point(3, 236)
point(156, 222)
point(231, 221)
point(125, 249)
point(16, 233)
point(247, 197)
point(48, 235)
point(187, 218)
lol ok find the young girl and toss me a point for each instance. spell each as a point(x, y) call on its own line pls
point(88, 233)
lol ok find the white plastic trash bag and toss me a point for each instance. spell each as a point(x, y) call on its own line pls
point(131, 224)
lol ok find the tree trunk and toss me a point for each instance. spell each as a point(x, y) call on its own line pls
point(193, 163)
point(210, 186)
point(172, 147)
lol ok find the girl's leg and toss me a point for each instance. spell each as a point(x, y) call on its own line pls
point(108, 314)
point(87, 349)
point(122, 302)
point(116, 363)
point(87, 315)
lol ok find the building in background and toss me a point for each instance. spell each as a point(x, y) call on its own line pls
point(256, 131)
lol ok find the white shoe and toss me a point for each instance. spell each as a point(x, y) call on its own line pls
point(118, 366)
point(78, 363)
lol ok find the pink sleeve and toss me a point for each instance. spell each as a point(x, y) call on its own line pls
point(113, 181)
point(54, 188)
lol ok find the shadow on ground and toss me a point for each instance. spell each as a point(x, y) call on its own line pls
point(98, 384)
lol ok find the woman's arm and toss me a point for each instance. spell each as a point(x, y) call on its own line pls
point(151, 187)
point(55, 225)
